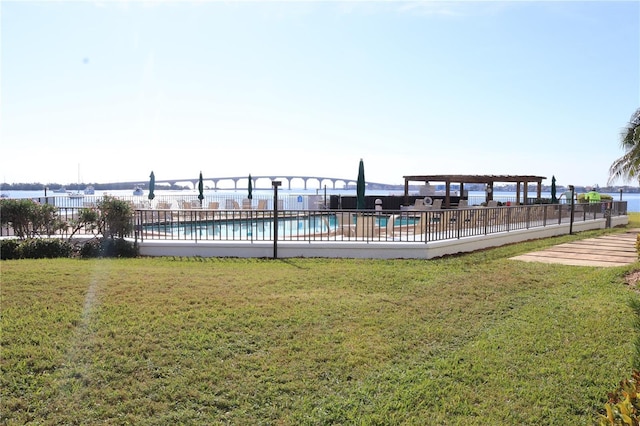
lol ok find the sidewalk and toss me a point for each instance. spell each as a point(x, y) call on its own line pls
point(606, 251)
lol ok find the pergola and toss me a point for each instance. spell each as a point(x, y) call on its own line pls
point(522, 184)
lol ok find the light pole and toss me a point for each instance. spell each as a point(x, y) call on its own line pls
point(572, 189)
point(275, 184)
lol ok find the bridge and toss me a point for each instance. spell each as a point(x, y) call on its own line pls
point(265, 181)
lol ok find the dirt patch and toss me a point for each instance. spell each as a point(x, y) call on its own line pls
point(632, 278)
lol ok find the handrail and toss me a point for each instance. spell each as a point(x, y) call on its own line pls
point(426, 226)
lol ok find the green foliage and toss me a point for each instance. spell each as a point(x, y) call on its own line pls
point(624, 404)
point(28, 218)
point(37, 248)
point(116, 217)
point(638, 243)
point(634, 304)
point(108, 247)
point(88, 219)
point(9, 249)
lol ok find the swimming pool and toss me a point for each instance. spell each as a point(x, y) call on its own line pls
point(253, 226)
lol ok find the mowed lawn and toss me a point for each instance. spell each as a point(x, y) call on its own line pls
point(476, 339)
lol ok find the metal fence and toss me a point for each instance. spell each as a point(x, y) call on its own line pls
point(252, 224)
point(351, 225)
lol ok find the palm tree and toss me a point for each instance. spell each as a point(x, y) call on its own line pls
point(627, 167)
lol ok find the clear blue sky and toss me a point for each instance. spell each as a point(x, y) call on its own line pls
point(309, 88)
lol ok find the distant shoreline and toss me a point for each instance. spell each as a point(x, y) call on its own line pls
point(470, 187)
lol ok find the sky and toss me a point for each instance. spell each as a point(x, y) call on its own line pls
point(109, 91)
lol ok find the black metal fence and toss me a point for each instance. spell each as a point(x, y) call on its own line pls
point(352, 225)
point(253, 224)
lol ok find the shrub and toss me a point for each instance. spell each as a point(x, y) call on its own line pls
point(116, 218)
point(28, 218)
point(623, 405)
point(9, 249)
point(119, 248)
point(108, 247)
point(40, 248)
point(90, 249)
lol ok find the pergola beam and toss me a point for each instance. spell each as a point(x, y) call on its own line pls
point(488, 180)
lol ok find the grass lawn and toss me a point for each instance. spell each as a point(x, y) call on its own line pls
point(476, 339)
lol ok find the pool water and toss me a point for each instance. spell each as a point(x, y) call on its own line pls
point(259, 229)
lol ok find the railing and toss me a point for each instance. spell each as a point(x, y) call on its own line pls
point(350, 225)
point(343, 225)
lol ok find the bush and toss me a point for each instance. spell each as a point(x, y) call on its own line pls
point(624, 403)
point(108, 247)
point(9, 249)
point(28, 218)
point(90, 249)
point(116, 218)
point(41, 248)
point(119, 248)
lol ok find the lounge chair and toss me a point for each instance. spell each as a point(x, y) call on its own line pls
point(345, 224)
point(262, 205)
point(246, 204)
point(214, 205)
point(366, 227)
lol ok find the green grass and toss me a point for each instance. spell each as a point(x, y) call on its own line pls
point(475, 339)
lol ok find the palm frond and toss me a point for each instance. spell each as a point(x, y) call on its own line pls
point(627, 167)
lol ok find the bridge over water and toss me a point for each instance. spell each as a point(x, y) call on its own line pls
point(263, 182)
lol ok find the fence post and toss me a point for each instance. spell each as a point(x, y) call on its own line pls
point(275, 184)
point(572, 189)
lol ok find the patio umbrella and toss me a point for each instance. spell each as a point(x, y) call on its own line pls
point(360, 187)
point(554, 199)
point(250, 188)
point(152, 185)
point(200, 189)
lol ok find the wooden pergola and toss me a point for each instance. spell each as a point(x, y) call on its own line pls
point(522, 184)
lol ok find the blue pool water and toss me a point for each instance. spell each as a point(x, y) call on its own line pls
point(258, 229)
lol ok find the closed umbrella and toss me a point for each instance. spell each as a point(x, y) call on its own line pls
point(360, 187)
point(200, 190)
point(152, 185)
point(250, 188)
point(554, 198)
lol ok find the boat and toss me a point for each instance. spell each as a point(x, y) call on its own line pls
point(76, 194)
point(138, 191)
point(89, 190)
point(61, 190)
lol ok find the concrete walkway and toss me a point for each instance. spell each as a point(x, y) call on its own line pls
point(606, 251)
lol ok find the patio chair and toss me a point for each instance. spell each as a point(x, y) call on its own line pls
point(366, 227)
point(246, 204)
point(262, 205)
point(391, 229)
point(345, 224)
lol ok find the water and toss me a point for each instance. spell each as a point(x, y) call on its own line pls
point(292, 199)
point(260, 228)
